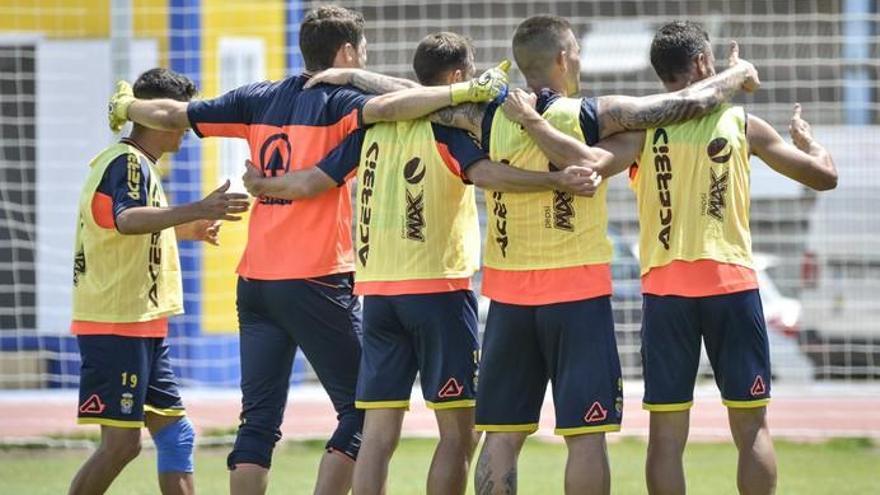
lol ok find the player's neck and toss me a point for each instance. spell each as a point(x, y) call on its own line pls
point(542, 83)
point(671, 87)
point(144, 141)
point(683, 82)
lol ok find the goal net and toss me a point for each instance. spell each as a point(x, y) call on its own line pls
point(819, 257)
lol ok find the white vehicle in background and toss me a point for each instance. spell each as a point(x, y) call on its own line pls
point(840, 276)
point(788, 363)
point(840, 269)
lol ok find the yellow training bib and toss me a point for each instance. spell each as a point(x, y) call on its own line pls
point(416, 218)
point(542, 230)
point(124, 278)
point(692, 188)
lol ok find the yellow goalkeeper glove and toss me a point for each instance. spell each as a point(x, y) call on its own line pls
point(487, 87)
point(117, 111)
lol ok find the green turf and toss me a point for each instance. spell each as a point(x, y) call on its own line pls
point(839, 467)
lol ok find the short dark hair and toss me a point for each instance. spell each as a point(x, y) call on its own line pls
point(674, 47)
point(164, 83)
point(324, 31)
point(439, 53)
point(537, 41)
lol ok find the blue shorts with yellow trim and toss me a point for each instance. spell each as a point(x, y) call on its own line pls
point(432, 334)
point(572, 345)
point(732, 327)
point(123, 377)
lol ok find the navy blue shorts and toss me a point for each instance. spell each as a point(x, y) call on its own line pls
point(571, 344)
point(732, 327)
point(319, 315)
point(121, 378)
point(432, 334)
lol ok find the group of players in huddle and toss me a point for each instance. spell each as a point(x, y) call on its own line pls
point(418, 150)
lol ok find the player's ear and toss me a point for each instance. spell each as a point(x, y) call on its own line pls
point(345, 55)
point(701, 64)
point(351, 53)
point(456, 76)
point(562, 61)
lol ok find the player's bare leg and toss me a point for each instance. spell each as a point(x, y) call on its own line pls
point(496, 468)
point(248, 479)
point(381, 434)
point(171, 483)
point(334, 474)
point(756, 467)
point(587, 471)
point(118, 447)
point(452, 457)
point(664, 468)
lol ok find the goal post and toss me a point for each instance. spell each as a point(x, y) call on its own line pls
point(60, 58)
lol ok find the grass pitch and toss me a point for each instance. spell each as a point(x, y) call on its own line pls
point(839, 467)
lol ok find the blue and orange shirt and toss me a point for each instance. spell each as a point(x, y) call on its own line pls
point(417, 230)
point(113, 195)
point(544, 247)
point(288, 128)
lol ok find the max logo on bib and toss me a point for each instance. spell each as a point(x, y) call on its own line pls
point(719, 151)
point(92, 405)
point(413, 173)
point(717, 193)
point(758, 387)
point(596, 413)
point(451, 389)
point(563, 211)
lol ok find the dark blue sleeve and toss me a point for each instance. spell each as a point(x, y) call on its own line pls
point(347, 99)
point(461, 149)
point(486, 124)
point(589, 120)
point(125, 181)
point(228, 114)
point(344, 158)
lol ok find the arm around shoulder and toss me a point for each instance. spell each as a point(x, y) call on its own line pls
point(467, 116)
point(627, 113)
point(162, 114)
point(500, 177)
point(622, 150)
point(298, 184)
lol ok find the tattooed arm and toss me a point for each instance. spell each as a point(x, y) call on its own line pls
point(371, 82)
point(418, 101)
point(627, 113)
point(366, 81)
point(467, 116)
